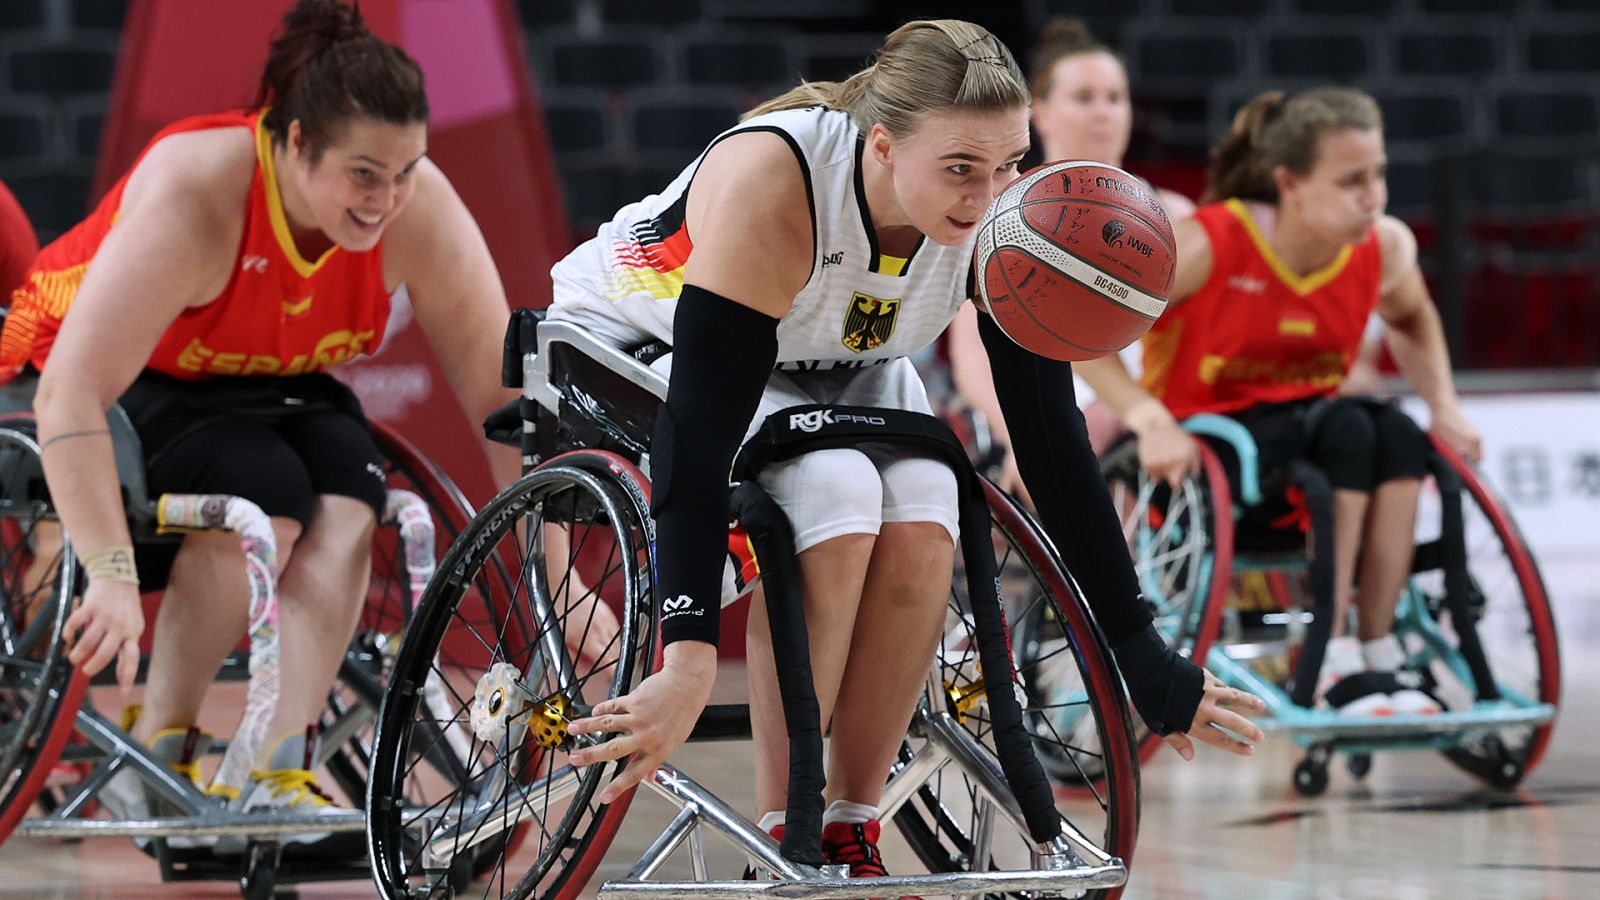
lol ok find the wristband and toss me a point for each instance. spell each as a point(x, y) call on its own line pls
point(113, 563)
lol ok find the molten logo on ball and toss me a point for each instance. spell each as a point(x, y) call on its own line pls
point(1051, 291)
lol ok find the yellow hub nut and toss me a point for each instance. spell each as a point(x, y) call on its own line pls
point(964, 697)
point(548, 725)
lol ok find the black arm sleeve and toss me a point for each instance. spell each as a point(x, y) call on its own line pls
point(1057, 464)
point(1051, 444)
point(722, 356)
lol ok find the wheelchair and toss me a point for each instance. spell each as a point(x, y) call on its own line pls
point(584, 424)
point(1474, 615)
point(58, 753)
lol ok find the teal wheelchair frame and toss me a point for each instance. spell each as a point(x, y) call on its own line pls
point(1474, 614)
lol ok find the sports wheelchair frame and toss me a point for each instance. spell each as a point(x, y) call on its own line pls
point(1474, 615)
point(977, 824)
point(58, 753)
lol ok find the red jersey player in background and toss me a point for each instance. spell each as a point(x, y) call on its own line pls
point(1277, 274)
point(244, 255)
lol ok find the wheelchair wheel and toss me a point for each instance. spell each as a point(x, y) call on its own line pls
point(1515, 626)
point(1075, 709)
point(498, 651)
point(349, 723)
point(1181, 541)
point(40, 692)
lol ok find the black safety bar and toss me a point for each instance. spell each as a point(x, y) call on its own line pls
point(802, 429)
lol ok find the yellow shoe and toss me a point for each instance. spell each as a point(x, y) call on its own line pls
point(125, 796)
point(288, 784)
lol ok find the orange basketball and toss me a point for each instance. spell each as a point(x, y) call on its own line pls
point(1075, 260)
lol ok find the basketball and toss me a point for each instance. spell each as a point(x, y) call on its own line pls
point(1075, 260)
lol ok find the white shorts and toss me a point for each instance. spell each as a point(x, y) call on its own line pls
point(830, 493)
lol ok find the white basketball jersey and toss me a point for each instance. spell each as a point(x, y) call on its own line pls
point(858, 308)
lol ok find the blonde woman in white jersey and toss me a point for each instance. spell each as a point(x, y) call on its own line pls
point(1081, 110)
point(801, 259)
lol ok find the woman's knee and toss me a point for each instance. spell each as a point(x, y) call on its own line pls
point(1344, 446)
point(341, 529)
point(1402, 450)
point(827, 493)
point(913, 562)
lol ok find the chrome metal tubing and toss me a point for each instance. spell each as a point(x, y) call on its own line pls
point(944, 884)
point(495, 818)
point(665, 844)
point(906, 778)
point(684, 792)
point(217, 821)
point(984, 770)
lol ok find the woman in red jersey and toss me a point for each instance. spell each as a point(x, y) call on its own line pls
point(1081, 109)
point(244, 255)
point(1277, 274)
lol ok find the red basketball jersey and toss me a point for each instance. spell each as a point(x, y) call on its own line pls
point(279, 314)
point(1257, 332)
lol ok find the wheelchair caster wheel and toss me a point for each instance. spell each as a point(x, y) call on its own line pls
point(1310, 777)
point(1359, 765)
point(1507, 775)
point(260, 878)
point(1500, 768)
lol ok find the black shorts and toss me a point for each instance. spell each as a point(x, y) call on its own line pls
point(1313, 429)
point(1281, 436)
point(277, 442)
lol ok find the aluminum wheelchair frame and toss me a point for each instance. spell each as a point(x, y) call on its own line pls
point(105, 749)
point(1471, 736)
point(547, 361)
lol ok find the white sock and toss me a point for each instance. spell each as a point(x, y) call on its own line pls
point(771, 820)
point(1342, 657)
point(1384, 654)
point(845, 811)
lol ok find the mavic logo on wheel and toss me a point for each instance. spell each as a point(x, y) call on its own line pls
point(812, 422)
point(681, 605)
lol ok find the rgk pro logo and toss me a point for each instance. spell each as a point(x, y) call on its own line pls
point(812, 422)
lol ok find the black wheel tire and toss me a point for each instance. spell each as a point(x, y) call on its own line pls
point(1359, 765)
point(1310, 778)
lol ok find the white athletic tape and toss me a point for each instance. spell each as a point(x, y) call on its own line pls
point(260, 545)
point(410, 513)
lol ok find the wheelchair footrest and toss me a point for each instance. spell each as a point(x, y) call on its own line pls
point(1064, 882)
point(218, 823)
point(1331, 725)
